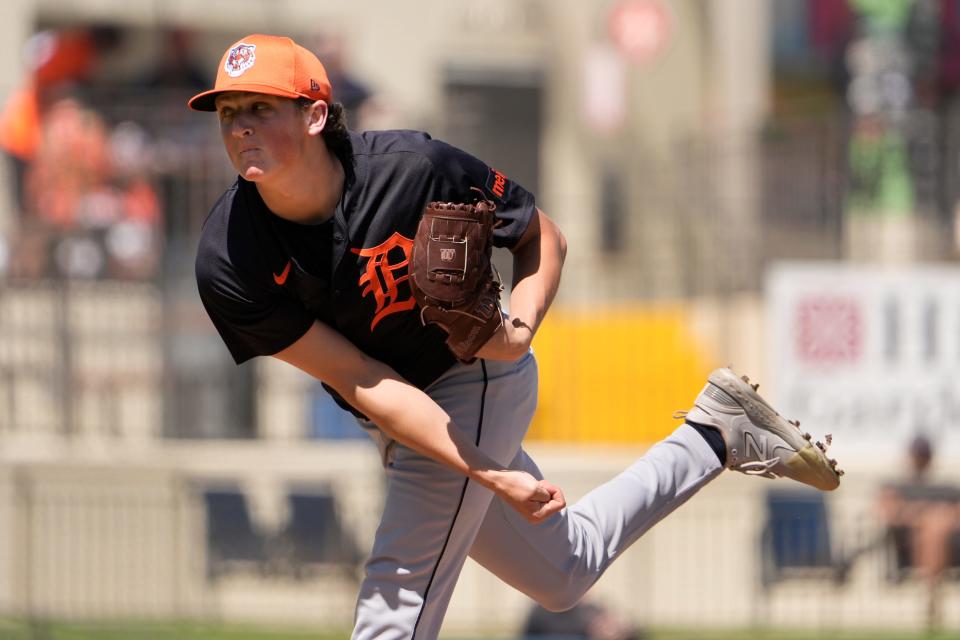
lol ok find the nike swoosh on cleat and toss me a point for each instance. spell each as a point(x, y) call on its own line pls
point(282, 278)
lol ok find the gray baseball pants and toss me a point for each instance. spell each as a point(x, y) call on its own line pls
point(434, 517)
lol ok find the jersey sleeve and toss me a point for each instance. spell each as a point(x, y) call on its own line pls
point(457, 172)
point(250, 324)
point(252, 318)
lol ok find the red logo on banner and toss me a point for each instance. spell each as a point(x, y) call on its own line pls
point(829, 330)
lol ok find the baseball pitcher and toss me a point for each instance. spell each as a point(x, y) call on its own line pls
point(364, 260)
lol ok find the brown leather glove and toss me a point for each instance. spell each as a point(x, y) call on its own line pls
point(453, 279)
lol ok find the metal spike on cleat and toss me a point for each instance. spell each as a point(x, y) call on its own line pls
point(829, 439)
point(755, 386)
point(807, 436)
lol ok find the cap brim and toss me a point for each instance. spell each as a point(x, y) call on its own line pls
point(206, 101)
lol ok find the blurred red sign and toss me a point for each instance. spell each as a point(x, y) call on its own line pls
point(829, 330)
point(640, 29)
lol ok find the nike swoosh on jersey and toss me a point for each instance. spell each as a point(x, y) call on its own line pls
point(282, 278)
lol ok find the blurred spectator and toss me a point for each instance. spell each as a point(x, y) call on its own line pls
point(87, 206)
point(922, 519)
point(55, 60)
point(88, 186)
point(585, 621)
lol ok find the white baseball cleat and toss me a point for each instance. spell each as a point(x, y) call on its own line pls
point(759, 441)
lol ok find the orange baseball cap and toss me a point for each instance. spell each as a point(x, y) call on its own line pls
point(267, 64)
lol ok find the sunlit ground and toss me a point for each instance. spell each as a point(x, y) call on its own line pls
point(24, 630)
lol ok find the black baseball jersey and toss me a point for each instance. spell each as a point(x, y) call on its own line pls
point(264, 280)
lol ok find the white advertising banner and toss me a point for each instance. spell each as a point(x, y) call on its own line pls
point(868, 354)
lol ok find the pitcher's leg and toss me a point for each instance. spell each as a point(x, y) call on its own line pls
point(556, 562)
point(429, 521)
point(432, 514)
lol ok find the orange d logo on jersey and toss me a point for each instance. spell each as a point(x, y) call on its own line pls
point(381, 277)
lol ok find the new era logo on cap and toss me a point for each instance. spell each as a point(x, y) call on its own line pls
point(313, 85)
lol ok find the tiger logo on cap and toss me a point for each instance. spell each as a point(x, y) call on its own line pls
point(240, 58)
